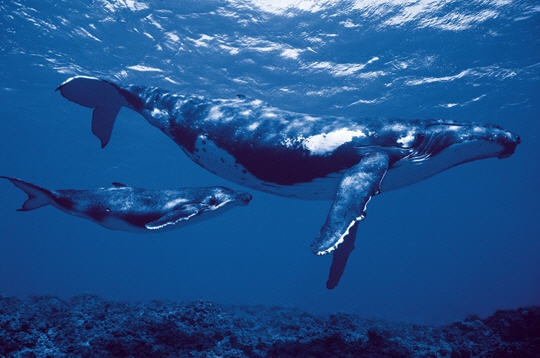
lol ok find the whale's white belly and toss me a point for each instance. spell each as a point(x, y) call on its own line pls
point(220, 162)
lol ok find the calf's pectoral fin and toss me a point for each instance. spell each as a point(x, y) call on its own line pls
point(185, 213)
point(358, 184)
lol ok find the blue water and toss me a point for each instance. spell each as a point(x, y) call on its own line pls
point(465, 241)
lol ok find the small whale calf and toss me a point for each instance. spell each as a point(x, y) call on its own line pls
point(345, 160)
point(121, 207)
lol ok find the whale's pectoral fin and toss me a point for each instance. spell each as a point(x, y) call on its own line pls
point(184, 213)
point(358, 184)
point(340, 257)
point(105, 97)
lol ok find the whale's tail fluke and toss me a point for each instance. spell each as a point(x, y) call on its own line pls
point(37, 196)
point(104, 97)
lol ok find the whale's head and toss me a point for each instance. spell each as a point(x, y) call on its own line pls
point(214, 201)
point(507, 140)
point(459, 143)
point(221, 197)
point(443, 145)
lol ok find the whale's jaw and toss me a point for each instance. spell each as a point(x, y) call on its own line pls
point(448, 148)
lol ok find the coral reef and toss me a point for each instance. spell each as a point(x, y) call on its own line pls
point(88, 326)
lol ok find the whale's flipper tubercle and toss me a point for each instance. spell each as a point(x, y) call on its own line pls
point(37, 196)
point(358, 184)
point(105, 97)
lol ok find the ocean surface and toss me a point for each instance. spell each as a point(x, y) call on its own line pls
point(462, 242)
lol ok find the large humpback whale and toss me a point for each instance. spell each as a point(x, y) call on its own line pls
point(121, 207)
point(346, 160)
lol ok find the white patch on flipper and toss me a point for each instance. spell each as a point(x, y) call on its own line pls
point(342, 237)
point(357, 219)
point(169, 223)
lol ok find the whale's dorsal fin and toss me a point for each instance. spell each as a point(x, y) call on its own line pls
point(119, 185)
point(358, 184)
point(183, 213)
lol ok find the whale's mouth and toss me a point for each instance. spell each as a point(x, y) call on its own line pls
point(244, 198)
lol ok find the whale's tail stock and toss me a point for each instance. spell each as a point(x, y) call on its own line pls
point(104, 97)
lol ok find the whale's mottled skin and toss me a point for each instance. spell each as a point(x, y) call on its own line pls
point(346, 160)
point(133, 209)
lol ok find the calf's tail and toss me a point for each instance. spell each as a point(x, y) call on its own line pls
point(37, 196)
